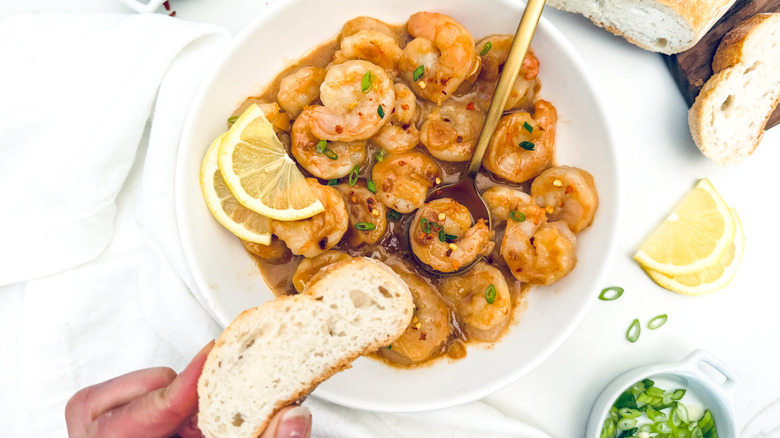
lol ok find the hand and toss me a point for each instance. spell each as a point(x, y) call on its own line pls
point(157, 403)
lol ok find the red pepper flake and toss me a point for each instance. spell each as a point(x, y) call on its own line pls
point(470, 106)
point(423, 335)
point(455, 264)
point(404, 107)
point(568, 190)
point(339, 129)
point(172, 14)
point(167, 5)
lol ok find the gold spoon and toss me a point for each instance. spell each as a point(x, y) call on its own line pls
point(465, 190)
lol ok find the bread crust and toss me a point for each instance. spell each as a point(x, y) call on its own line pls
point(728, 64)
point(699, 16)
point(326, 287)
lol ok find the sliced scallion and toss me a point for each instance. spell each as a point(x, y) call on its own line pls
point(365, 83)
point(371, 186)
point(331, 154)
point(425, 225)
point(232, 119)
point(333, 182)
point(610, 293)
point(381, 111)
point(418, 73)
point(490, 294)
point(353, 176)
point(657, 321)
point(321, 146)
point(393, 215)
point(528, 127)
point(486, 48)
point(365, 226)
point(380, 155)
point(632, 334)
point(527, 145)
point(517, 216)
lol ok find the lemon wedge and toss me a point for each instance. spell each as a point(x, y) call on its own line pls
point(694, 237)
point(711, 278)
point(260, 173)
point(241, 221)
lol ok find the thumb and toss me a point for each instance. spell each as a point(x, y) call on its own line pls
point(290, 422)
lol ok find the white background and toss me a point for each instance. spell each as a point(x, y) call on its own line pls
point(660, 163)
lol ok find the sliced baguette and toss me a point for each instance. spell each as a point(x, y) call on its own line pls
point(665, 26)
point(727, 119)
point(277, 353)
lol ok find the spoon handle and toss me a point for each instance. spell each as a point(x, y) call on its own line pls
point(520, 44)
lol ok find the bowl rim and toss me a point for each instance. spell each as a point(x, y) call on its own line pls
point(576, 318)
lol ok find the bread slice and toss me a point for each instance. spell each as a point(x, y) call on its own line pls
point(665, 26)
point(276, 354)
point(727, 119)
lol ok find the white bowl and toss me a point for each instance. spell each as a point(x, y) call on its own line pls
point(229, 282)
point(700, 373)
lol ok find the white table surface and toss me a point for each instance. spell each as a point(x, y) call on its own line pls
point(660, 163)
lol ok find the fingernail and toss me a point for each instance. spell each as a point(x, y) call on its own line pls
point(295, 423)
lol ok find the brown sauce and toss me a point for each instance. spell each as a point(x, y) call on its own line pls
point(394, 246)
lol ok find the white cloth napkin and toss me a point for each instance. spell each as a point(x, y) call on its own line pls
point(93, 282)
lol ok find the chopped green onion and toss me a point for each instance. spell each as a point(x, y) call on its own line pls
point(682, 413)
point(379, 155)
point(368, 79)
point(629, 412)
point(662, 427)
point(610, 293)
point(448, 237)
point(353, 176)
point(330, 154)
point(389, 347)
point(365, 226)
point(232, 119)
point(418, 73)
point(393, 215)
point(654, 391)
point(425, 225)
point(371, 186)
point(696, 432)
point(626, 423)
point(442, 235)
point(381, 111)
point(678, 394)
point(321, 146)
point(632, 334)
point(528, 127)
point(517, 216)
point(486, 48)
point(657, 321)
point(333, 182)
point(490, 294)
point(527, 145)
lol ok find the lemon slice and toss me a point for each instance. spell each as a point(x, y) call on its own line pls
point(240, 220)
point(711, 278)
point(256, 167)
point(693, 237)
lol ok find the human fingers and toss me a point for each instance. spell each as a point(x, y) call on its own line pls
point(91, 402)
point(161, 412)
point(290, 422)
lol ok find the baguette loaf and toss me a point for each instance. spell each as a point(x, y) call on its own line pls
point(666, 26)
point(727, 119)
point(277, 353)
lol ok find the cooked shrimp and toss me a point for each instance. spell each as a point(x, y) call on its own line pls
point(506, 203)
point(523, 146)
point(429, 328)
point(364, 208)
point(319, 233)
point(539, 253)
point(369, 45)
point(308, 268)
point(348, 113)
point(567, 194)
point(400, 135)
point(355, 25)
point(334, 162)
point(442, 235)
point(445, 50)
point(526, 84)
point(483, 311)
point(403, 180)
point(451, 131)
point(300, 89)
point(275, 251)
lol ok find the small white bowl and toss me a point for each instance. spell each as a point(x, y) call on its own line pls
point(713, 388)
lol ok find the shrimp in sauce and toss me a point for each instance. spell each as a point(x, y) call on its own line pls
point(567, 194)
point(309, 267)
point(400, 134)
point(444, 49)
point(526, 85)
point(347, 112)
point(442, 235)
point(523, 146)
point(324, 159)
point(319, 233)
point(365, 211)
point(450, 132)
point(299, 89)
point(403, 180)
